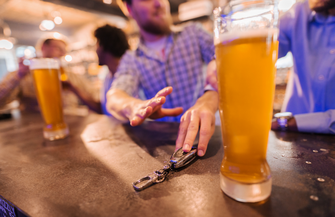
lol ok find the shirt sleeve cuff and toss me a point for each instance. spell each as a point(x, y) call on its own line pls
point(319, 122)
point(208, 87)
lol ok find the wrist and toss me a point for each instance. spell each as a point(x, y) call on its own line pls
point(292, 125)
point(20, 74)
point(212, 100)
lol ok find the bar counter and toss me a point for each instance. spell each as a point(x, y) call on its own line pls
point(90, 173)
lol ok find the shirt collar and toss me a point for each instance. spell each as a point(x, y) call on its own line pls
point(320, 18)
point(142, 49)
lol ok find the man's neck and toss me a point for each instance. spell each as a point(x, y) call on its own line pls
point(332, 12)
point(112, 64)
point(149, 37)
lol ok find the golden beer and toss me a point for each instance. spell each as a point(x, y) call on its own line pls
point(246, 82)
point(45, 73)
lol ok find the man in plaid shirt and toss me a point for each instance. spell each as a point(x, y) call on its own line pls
point(166, 61)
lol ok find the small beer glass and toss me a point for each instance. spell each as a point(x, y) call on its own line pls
point(246, 48)
point(45, 72)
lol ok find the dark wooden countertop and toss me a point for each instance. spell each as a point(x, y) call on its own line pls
point(90, 172)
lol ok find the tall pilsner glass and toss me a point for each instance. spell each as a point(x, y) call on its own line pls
point(246, 47)
point(48, 88)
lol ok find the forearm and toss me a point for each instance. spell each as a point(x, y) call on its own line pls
point(87, 100)
point(319, 122)
point(7, 85)
point(120, 104)
point(210, 99)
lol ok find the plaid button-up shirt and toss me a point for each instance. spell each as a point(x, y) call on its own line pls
point(183, 69)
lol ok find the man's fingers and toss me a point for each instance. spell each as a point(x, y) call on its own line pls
point(141, 116)
point(192, 131)
point(206, 131)
point(172, 112)
point(167, 112)
point(184, 122)
point(164, 92)
point(156, 101)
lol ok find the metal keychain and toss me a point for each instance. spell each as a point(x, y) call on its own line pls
point(178, 160)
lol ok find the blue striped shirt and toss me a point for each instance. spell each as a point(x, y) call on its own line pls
point(310, 93)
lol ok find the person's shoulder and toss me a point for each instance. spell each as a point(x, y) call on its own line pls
point(130, 55)
point(192, 26)
point(129, 60)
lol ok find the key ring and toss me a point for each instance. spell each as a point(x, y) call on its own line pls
point(178, 159)
point(157, 177)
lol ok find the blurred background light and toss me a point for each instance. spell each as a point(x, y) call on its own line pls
point(285, 62)
point(57, 35)
point(68, 58)
point(29, 52)
point(107, 1)
point(47, 25)
point(285, 5)
point(58, 20)
point(26, 62)
point(194, 9)
point(4, 43)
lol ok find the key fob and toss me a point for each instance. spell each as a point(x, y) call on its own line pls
point(180, 158)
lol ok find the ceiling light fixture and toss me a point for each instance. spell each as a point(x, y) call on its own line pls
point(6, 42)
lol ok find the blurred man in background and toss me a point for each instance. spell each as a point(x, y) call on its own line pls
point(308, 30)
point(112, 43)
point(19, 85)
point(166, 60)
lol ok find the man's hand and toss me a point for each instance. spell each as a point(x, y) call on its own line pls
point(211, 75)
point(152, 108)
point(23, 69)
point(202, 115)
point(291, 125)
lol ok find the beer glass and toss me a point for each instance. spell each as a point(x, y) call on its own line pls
point(246, 47)
point(45, 72)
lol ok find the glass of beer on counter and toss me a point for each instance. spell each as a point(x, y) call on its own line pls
point(46, 75)
point(246, 48)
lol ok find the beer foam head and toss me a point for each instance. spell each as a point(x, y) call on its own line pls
point(240, 34)
point(44, 63)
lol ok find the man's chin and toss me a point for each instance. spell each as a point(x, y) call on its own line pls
point(320, 10)
point(323, 7)
point(158, 29)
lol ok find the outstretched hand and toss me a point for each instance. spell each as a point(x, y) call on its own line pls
point(23, 68)
point(152, 108)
